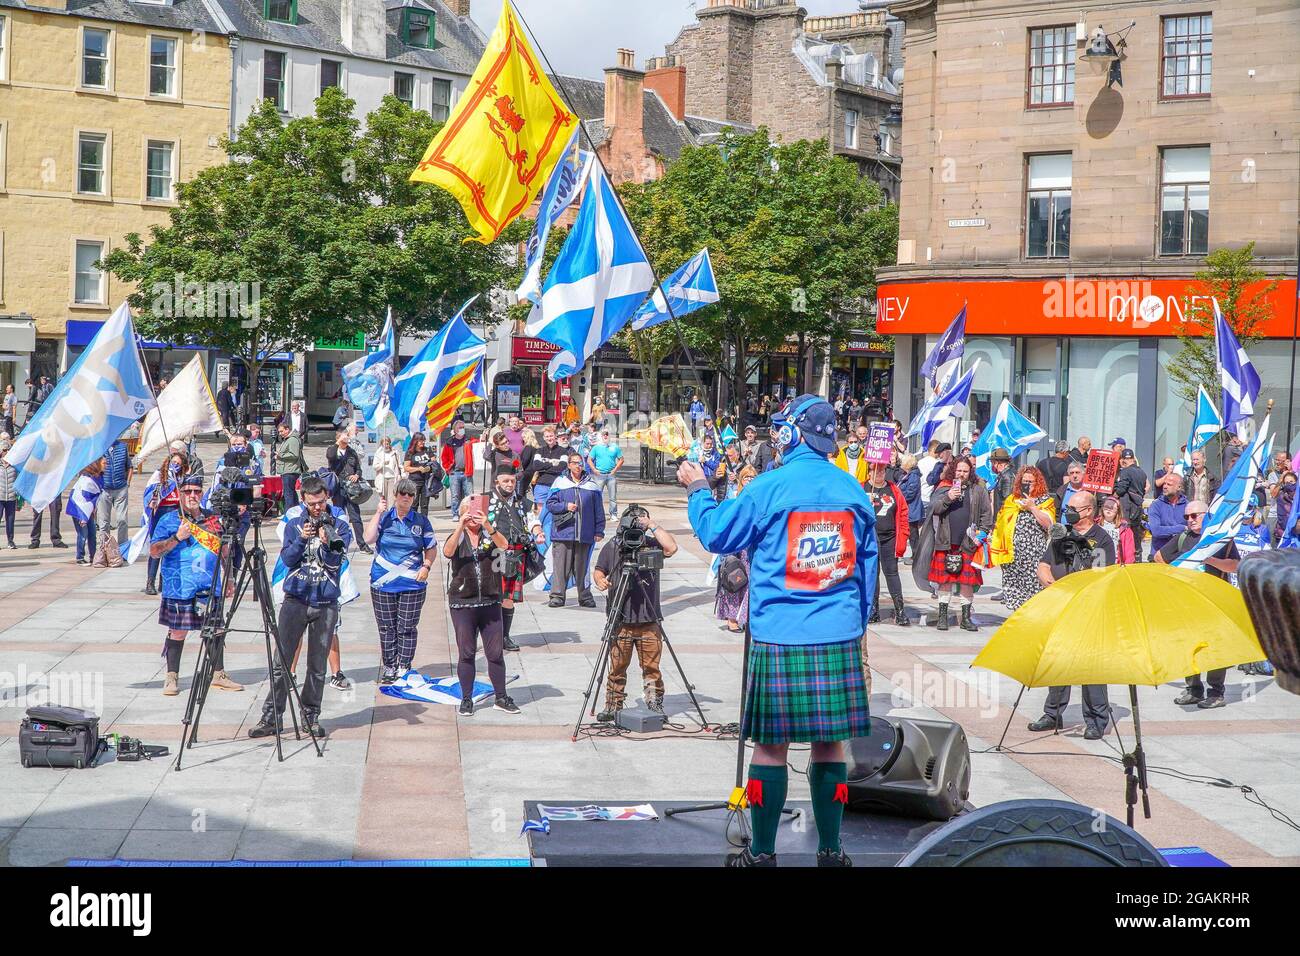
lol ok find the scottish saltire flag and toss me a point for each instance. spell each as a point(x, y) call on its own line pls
point(1205, 426)
point(1010, 430)
point(348, 590)
point(949, 402)
point(599, 280)
point(687, 290)
point(728, 436)
point(562, 190)
point(138, 542)
point(1237, 376)
point(103, 393)
point(81, 503)
point(1234, 501)
point(368, 382)
point(445, 374)
point(949, 349)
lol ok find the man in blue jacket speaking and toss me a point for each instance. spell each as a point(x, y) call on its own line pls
point(810, 532)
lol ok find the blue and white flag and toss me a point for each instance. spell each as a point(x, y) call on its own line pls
point(81, 503)
point(599, 280)
point(1205, 426)
point(687, 290)
point(1238, 377)
point(368, 382)
point(444, 374)
point(1010, 430)
point(948, 402)
point(132, 548)
point(103, 393)
point(1234, 500)
point(562, 190)
point(949, 349)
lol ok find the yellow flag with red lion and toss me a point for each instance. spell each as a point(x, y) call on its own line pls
point(504, 137)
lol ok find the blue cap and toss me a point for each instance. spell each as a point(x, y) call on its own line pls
point(816, 420)
point(192, 481)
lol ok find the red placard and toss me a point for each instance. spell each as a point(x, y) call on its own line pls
point(1100, 471)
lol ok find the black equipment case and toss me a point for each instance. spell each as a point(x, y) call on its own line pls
point(58, 737)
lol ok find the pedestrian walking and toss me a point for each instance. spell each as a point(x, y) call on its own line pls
point(290, 462)
point(343, 460)
point(8, 492)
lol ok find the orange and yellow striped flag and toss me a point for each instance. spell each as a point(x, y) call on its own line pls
point(504, 137)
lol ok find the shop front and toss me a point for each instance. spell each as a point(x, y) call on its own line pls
point(17, 343)
point(862, 367)
point(1081, 357)
point(323, 379)
point(543, 401)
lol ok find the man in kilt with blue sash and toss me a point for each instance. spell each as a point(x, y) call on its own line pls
point(810, 531)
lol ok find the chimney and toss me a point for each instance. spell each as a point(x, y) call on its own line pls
point(459, 7)
point(666, 75)
point(625, 96)
point(364, 27)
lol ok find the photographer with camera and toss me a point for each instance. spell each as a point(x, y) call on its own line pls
point(314, 545)
point(1078, 545)
point(642, 614)
point(405, 549)
point(506, 512)
point(187, 547)
point(239, 469)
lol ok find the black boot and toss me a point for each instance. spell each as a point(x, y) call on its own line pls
point(875, 615)
point(900, 615)
point(943, 617)
point(966, 623)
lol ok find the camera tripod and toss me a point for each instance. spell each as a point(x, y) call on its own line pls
point(216, 625)
point(617, 608)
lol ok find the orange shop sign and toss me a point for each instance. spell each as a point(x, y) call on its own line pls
point(1068, 306)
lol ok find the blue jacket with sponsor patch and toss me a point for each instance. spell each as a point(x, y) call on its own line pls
point(810, 531)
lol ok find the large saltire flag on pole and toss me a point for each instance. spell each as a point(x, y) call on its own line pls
point(1237, 376)
point(447, 373)
point(498, 147)
point(368, 381)
point(597, 283)
point(562, 191)
point(947, 351)
point(101, 395)
point(1205, 426)
point(687, 290)
point(185, 407)
point(949, 402)
point(1011, 430)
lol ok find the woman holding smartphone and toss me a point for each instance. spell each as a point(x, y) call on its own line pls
point(959, 509)
point(474, 597)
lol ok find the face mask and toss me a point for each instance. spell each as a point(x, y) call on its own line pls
point(460, 433)
point(854, 446)
point(1071, 516)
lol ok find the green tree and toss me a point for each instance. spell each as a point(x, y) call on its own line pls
point(796, 237)
point(1228, 276)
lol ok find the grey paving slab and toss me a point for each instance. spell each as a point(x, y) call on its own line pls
point(38, 846)
point(296, 845)
point(73, 810)
point(179, 844)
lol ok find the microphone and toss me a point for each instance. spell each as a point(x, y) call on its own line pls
point(1057, 531)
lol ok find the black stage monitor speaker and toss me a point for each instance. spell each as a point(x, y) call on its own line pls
point(1270, 583)
point(910, 767)
point(1034, 833)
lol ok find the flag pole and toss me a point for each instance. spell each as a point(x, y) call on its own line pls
point(672, 317)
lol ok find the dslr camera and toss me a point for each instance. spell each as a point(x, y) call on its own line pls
point(332, 539)
point(632, 540)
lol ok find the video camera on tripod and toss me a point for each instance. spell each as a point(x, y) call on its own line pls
point(1076, 550)
point(632, 539)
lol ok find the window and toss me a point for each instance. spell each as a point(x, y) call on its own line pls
point(331, 74)
point(92, 150)
point(404, 88)
point(281, 11)
point(162, 66)
point(1051, 66)
point(417, 28)
point(1047, 205)
point(1185, 56)
point(89, 280)
point(441, 100)
point(886, 142)
point(273, 78)
point(3, 72)
point(1185, 201)
point(94, 58)
point(851, 129)
point(158, 171)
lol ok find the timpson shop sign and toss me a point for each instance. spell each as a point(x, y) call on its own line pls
point(1068, 306)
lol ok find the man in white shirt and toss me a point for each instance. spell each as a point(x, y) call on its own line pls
point(928, 461)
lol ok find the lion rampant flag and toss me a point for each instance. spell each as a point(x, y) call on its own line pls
point(504, 137)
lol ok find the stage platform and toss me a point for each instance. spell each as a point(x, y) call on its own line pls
point(700, 839)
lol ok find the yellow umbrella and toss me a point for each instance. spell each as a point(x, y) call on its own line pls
point(1129, 624)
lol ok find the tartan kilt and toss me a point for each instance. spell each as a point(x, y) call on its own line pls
point(805, 693)
point(969, 573)
point(512, 585)
point(179, 614)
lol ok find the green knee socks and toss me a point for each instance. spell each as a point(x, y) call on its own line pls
point(766, 794)
point(828, 785)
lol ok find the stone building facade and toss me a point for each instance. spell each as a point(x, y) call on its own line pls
point(1070, 215)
